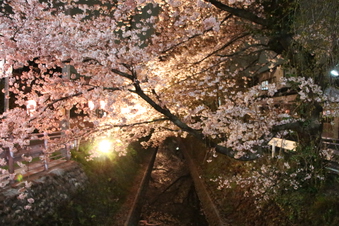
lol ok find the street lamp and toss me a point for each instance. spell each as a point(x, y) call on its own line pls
point(31, 107)
point(100, 111)
point(5, 72)
point(91, 105)
point(105, 146)
point(335, 71)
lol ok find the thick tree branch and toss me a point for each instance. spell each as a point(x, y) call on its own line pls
point(123, 74)
point(240, 13)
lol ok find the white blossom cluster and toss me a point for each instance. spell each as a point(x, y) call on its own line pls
point(241, 121)
point(266, 182)
point(24, 195)
point(308, 91)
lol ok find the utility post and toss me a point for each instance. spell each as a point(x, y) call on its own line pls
point(64, 124)
point(66, 74)
point(10, 154)
point(6, 72)
point(6, 99)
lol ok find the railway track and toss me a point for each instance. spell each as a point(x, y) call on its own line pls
point(145, 197)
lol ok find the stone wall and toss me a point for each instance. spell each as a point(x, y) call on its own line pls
point(49, 189)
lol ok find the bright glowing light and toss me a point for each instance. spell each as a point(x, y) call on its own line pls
point(102, 104)
point(125, 110)
point(140, 109)
point(90, 105)
point(3, 70)
point(105, 146)
point(30, 106)
point(134, 110)
point(334, 72)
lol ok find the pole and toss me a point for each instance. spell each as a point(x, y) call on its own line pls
point(6, 99)
point(46, 156)
point(6, 73)
point(66, 74)
point(10, 161)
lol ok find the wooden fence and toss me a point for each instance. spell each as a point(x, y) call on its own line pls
point(38, 151)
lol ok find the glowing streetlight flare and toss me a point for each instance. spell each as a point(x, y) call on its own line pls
point(5, 70)
point(334, 72)
point(31, 106)
point(105, 146)
point(91, 105)
point(102, 104)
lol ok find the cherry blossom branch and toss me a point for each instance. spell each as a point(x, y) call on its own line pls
point(223, 47)
point(282, 41)
point(223, 150)
point(244, 49)
point(81, 93)
point(75, 95)
point(265, 64)
point(232, 153)
point(194, 36)
point(109, 126)
point(299, 127)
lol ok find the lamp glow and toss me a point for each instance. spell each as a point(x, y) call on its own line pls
point(90, 105)
point(102, 104)
point(105, 146)
point(31, 107)
point(5, 70)
point(334, 72)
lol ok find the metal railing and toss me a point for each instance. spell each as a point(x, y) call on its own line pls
point(331, 154)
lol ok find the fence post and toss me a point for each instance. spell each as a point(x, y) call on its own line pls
point(273, 150)
point(10, 160)
point(45, 151)
point(78, 144)
point(68, 152)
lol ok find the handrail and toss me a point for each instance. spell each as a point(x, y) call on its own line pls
point(329, 138)
point(332, 163)
point(36, 150)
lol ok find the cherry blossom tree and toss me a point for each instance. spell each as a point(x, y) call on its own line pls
point(161, 68)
